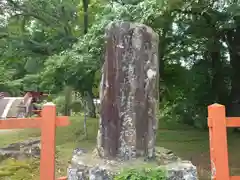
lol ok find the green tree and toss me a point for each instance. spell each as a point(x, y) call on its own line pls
point(53, 44)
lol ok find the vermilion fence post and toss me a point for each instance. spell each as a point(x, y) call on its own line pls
point(48, 130)
point(47, 123)
point(218, 142)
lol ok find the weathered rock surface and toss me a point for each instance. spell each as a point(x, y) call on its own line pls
point(182, 170)
point(21, 150)
point(129, 92)
point(165, 156)
point(86, 165)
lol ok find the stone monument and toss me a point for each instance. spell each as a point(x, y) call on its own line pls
point(129, 104)
point(129, 92)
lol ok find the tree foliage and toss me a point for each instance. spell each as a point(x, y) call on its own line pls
point(51, 44)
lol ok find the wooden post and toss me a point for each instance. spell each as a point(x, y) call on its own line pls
point(48, 128)
point(47, 122)
point(218, 142)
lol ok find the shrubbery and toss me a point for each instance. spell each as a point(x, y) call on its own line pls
point(145, 174)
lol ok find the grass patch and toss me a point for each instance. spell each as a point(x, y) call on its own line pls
point(185, 141)
point(19, 170)
point(67, 139)
point(142, 174)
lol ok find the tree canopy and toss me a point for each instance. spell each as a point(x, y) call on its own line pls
point(50, 44)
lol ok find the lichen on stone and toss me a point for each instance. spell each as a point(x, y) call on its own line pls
point(128, 92)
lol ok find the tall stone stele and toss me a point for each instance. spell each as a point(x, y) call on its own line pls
point(129, 92)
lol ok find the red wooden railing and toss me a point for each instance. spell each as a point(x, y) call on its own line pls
point(218, 123)
point(47, 123)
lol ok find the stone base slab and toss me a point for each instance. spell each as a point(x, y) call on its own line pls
point(87, 166)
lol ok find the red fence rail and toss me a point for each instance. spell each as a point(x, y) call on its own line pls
point(47, 123)
point(218, 123)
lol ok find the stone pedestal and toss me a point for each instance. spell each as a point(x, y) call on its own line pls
point(87, 166)
point(183, 170)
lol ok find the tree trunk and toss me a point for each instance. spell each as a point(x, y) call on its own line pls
point(218, 84)
point(85, 10)
point(166, 29)
point(233, 38)
point(85, 122)
point(68, 100)
point(91, 110)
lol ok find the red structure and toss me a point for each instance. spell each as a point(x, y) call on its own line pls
point(218, 123)
point(36, 96)
point(32, 97)
point(47, 123)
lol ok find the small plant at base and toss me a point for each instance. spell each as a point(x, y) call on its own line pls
point(145, 174)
